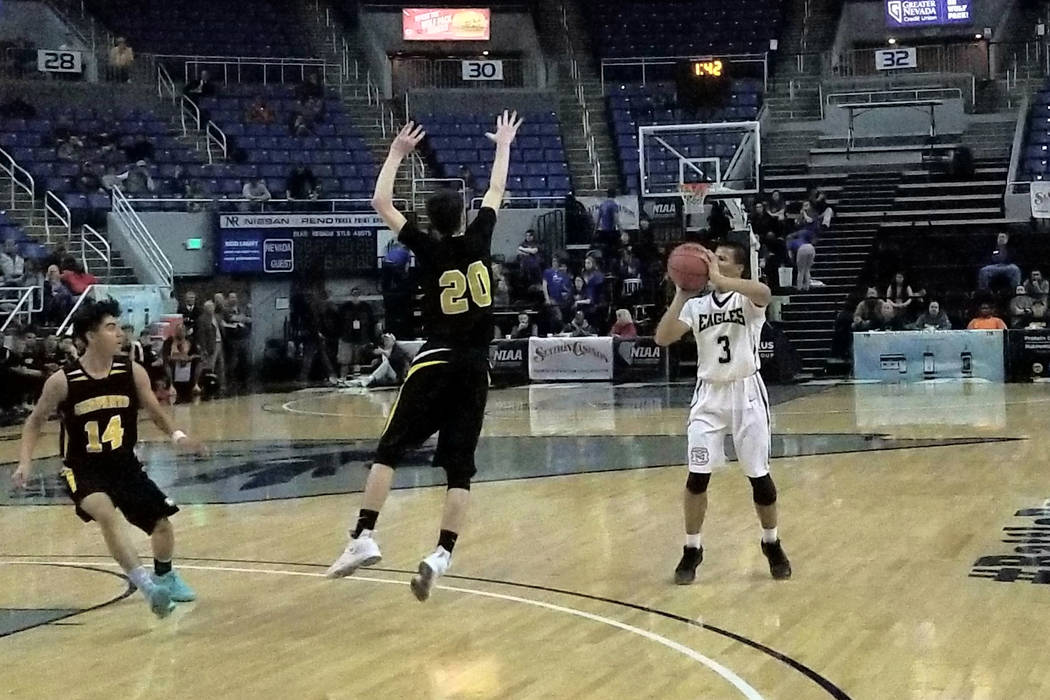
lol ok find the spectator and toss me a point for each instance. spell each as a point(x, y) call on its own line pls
point(529, 259)
point(762, 224)
point(800, 246)
point(137, 179)
point(312, 110)
point(1021, 308)
point(719, 223)
point(501, 295)
point(257, 194)
point(1037, 287)
point(390, 366)
point(311, 87)
point(190, 312)
point(607, 227)
point(299, 126)
point(58, 300)
point(12, 265)
point(866, 313)
point(898, 293)
point(357, 324)
point(201, 87)
point(1039, 314)
point(179, 359)
point(887, 318)
point(301, 184)
point(578, 225)
point(25, 368)
point(88, 181)
point(525, 328)
point(208, 337)
point(259, 113)
point(580, 327)
point(985, 320)
point(557, 291)
point(313, 338)
point(75, 277)
point(593, 281)
point(469, 183)
point(932, 319)
point(581, 300)
point(999, 266)
point(624, 327)
point(236, 331)
point(775, 208)
point(121, 58)
point(70, 149)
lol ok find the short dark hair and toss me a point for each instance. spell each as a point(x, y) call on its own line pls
point(739, 251)
point(445, 211)
point(91, 314)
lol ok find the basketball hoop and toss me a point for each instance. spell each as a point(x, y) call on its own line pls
point(694, 194)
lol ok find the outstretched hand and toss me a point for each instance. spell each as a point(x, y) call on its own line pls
point(506, 129)
point(407, 139)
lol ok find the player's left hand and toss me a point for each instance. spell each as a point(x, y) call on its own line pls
point(188, 444)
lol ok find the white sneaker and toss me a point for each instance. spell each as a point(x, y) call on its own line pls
point(429, 570)
point(362, 551)
point(816, 283)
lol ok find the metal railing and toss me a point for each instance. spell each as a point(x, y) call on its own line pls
point(585, 115)
point(66, 327)
point(21, 180)
point(411, 73)
point(24, 304)
point(548, 201)
point(644, 64)
point(190, 110)
point(235, 69)
point(166, 89)
point(216, 140)
point(95, 242)
point(893, 95)
point(930, 58)
point(57, 217)
point(139, 235)
point(244, 205)
point(420, 189)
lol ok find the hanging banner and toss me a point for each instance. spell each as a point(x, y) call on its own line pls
point(638, 359)
point(1040, 199)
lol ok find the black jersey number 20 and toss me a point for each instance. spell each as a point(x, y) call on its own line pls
point(455, 286)
point(726, 357)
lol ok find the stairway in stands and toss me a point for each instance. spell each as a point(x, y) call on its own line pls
point(842, 253)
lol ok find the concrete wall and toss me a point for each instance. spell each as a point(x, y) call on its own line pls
point(172, 229)
point(896, 121)
point(21, 19)
point(474, 101)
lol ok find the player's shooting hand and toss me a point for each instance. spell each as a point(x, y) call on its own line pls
point(188, 444)
point(21, 475)
point(714, 273)
point(407, 139)
point(506, 129)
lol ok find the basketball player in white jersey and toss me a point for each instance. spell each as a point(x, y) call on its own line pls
point(729, 397)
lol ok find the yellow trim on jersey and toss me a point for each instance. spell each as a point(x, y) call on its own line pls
point(70, 479)
point(99, 403)
point(393, 409)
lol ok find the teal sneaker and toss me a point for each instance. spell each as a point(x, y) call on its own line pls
point(180, 592)
point(160, 601)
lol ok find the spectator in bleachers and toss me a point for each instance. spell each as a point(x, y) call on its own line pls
point(12, 265)
point(887, 318)
point(762, 223)
point(389, 367)
point(137, 179)
point(311, 87)
point(525, 328)
point(985, 320)
point(501, 294)
point(299, 126)
point(88, 180)
point(70, 148)
point(578, 225)
point(801, 246)
point(201, 87)
point(259, 113)
point(866, 313)
point(607, 227)
point(121, 58)
point(1021, 308)
point(190, 312)
point(776, 206)
point(1000, 265)
point(256, 192)
point(58, 300)
point(932, 319)
point(580, 327)
point(302, 185)
point(357, 328)
point(557, 291)
point(1036, 286)
point(624, 326)
point(312, 110)
point(529, 259)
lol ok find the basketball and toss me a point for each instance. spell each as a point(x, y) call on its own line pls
point(687, 267)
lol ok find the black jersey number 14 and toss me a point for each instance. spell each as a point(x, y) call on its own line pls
point(725, 357)
point(455, 287)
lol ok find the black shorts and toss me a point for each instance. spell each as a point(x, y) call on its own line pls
point(444, 392)
point(127, 485)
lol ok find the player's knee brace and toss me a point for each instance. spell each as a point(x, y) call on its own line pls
point(696, 484)
point(459, 481)
point(763, 490)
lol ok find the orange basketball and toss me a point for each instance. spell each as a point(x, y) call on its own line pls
point(687, 268)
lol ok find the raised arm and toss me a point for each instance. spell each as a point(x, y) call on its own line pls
point(383, 199)
point(506, 130)
point(757, 292)
point(55, 391)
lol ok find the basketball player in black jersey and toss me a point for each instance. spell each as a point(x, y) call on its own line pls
point(98, 400)
point(447, 384)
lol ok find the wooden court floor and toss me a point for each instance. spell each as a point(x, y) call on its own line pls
point(917, 519)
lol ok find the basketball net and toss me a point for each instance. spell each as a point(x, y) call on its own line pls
point(694, 194)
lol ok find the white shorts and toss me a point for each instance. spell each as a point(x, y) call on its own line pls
point(741, 407)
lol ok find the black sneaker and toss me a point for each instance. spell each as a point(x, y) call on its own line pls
point(779, 566)
point(685, 572)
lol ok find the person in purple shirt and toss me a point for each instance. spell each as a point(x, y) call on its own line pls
point(607, 227)
point(557, 290)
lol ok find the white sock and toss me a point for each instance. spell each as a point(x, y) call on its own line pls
point(364, 533)
point(442, 552)
point(142, 580)
point(692, 540)
point(770, 535)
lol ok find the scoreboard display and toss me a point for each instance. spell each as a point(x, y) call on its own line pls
point(322, 244)
point(703, 83)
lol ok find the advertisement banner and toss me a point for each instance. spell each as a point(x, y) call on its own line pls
point(927, 13)
point(638, 359)
point(909, 356)
point(628, 209)
point(445, 24)
point(663, 209)
point(330, 244)
point(1028, 354)
point(509, 361)
point(779, 361)
point(1040, 194)
point(570, 359)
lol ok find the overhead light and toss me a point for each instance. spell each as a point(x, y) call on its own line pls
point(484, 53)
point(891, 41)
point(978, 35)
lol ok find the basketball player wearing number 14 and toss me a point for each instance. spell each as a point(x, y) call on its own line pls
point(447, 384)
point(729, 396)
